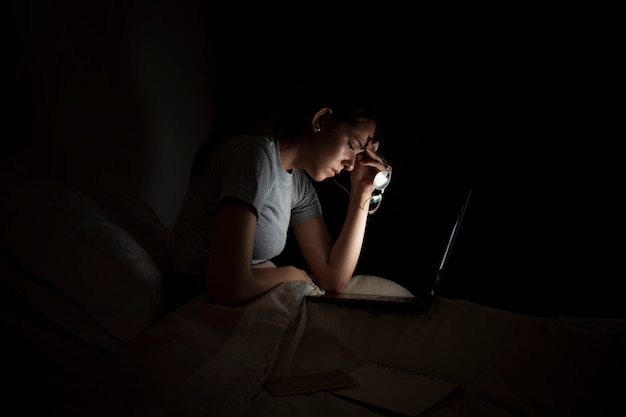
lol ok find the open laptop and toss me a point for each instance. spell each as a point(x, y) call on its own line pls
point(419, 301)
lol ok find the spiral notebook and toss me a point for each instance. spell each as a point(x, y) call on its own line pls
point(397, 390)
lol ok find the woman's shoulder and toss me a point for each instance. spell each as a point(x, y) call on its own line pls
point(239, 148)
point(249, 147)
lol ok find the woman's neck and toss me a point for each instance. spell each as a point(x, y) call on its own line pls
point(288, 152)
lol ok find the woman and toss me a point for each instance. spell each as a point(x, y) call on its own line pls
point(248, 188)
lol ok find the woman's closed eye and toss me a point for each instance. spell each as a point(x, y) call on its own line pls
point(354, 146)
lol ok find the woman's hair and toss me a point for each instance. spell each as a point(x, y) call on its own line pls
point(351, 100)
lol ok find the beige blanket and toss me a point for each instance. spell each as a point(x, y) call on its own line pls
point(206, 360)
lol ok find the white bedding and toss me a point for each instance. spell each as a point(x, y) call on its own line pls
point(206, 360)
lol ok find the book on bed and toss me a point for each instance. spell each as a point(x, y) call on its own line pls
point(402, 391)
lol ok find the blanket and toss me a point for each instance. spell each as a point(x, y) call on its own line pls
point(207, 360)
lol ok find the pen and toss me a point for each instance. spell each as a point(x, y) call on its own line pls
point(501, 405)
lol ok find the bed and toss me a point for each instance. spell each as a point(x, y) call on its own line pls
point(86, 330)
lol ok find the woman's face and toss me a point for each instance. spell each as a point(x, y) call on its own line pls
point(334, 148)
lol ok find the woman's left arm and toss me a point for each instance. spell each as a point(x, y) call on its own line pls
point(333, 264)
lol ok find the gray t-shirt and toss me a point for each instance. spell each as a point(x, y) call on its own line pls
point(247, 168)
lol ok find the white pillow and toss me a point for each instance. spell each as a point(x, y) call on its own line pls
point(60, 235)
point(371, 284)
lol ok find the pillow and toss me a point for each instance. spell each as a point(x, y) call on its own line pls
point(62, 236)
point(23, 292)
point(371, 284)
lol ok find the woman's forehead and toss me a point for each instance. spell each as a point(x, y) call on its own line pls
point(365, 129)
point(361, 132)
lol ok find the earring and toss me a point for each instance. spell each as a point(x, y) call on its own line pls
point(319, 129)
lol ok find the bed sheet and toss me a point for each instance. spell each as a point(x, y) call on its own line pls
point(539, 366)
point(207, 360)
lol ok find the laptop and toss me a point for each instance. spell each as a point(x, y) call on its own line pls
point(415, 303)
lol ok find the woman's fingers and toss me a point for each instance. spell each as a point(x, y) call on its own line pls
point(374, 159)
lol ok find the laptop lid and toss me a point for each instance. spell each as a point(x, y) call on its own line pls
point(446, 253)
point(419, 301)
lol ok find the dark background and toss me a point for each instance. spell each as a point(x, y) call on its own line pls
point(521, 106)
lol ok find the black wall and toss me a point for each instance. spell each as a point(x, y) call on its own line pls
point(114, 95)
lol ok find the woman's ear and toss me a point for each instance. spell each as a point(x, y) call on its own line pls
point(319, 118)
